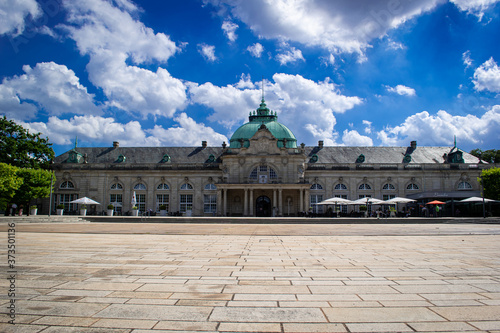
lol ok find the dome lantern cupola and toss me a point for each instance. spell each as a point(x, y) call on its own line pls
point(263, 116)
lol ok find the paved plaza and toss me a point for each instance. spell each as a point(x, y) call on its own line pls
point(152, 277)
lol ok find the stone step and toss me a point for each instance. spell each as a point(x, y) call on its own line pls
point(43, 219)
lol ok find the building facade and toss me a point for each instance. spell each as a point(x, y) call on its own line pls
point(261, 172)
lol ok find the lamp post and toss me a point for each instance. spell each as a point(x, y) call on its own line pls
point(482, 195)
point(50, 195)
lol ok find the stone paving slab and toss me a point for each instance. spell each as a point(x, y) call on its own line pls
point(255, 278)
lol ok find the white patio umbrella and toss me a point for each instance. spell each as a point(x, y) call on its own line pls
point(134, 199)
point(397, 200)
point(335, 201)
point(367, 201)
point(477, 199)
point(85, 201)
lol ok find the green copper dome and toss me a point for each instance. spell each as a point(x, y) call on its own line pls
point(259, 117)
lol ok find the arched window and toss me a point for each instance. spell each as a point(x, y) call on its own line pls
point(340, 187)
point(364, 187)
point(210, 187)
point(388, 186)
point(412, 187)
point(316, 187)
point(163, 186)
point(67, 185)
point(186, 186)
point(140, 187)
point(162, 198)
point(262, 173)
point(464, 186)
point(116, 186)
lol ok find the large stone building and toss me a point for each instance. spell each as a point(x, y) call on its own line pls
point(261, 172)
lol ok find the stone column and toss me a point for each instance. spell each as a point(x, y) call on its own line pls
point(274, 204)
point(219, 202)
point(250, 203)
point(307, 199)
point(301, 200)
point(280, 202)
point(245, 203)
point(224, 213)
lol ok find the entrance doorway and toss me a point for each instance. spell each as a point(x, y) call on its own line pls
point(263, 206)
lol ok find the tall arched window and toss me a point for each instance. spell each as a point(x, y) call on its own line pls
point(412, 187)
point(364, 187)
point(162, 198)
point(315, 198)
point(66, 197)
point(140, 197)
point(464, 186)
point(186, 199)
point(210, 199)
point(116, 197)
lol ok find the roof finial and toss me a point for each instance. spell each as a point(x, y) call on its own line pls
point(76, 142)
point(263, 88)
point(454, 141)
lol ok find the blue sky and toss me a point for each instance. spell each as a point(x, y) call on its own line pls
point(175, 73)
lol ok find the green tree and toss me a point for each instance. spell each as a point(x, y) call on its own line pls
point(20, 148)
point(36, 184)
point(489, 156)
point(490, 180)
point(9, 184)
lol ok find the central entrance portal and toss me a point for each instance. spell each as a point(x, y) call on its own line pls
point(263, 207)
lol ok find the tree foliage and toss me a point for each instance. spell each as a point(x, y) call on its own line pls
point(36, 184)
point(20, 148)
point(489, 156)
point(490, 179)
point(9, 183)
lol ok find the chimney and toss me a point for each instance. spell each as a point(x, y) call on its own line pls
point(320, 144)
point(413, 145)
point(204, 144)
point(116, 144)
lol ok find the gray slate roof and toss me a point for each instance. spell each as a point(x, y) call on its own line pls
point(335, 155)
point(135, 155)
point(382, 155)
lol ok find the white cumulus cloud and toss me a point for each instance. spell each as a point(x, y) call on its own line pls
point(487, 76)
point(112, 37)
point(338, 26)
point(98, 25)
point(475, 7)
point(13, 14)
point(402, 90)
point(188, 133)
point(207, 51)
point(256, 50)
point(48, 86)
point(353, 138)
point(229, 29)
point(289, 55)
point(93, 129)
point(104, 130)
point(440, 129)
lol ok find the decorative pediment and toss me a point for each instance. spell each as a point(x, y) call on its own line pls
point(263, 142)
